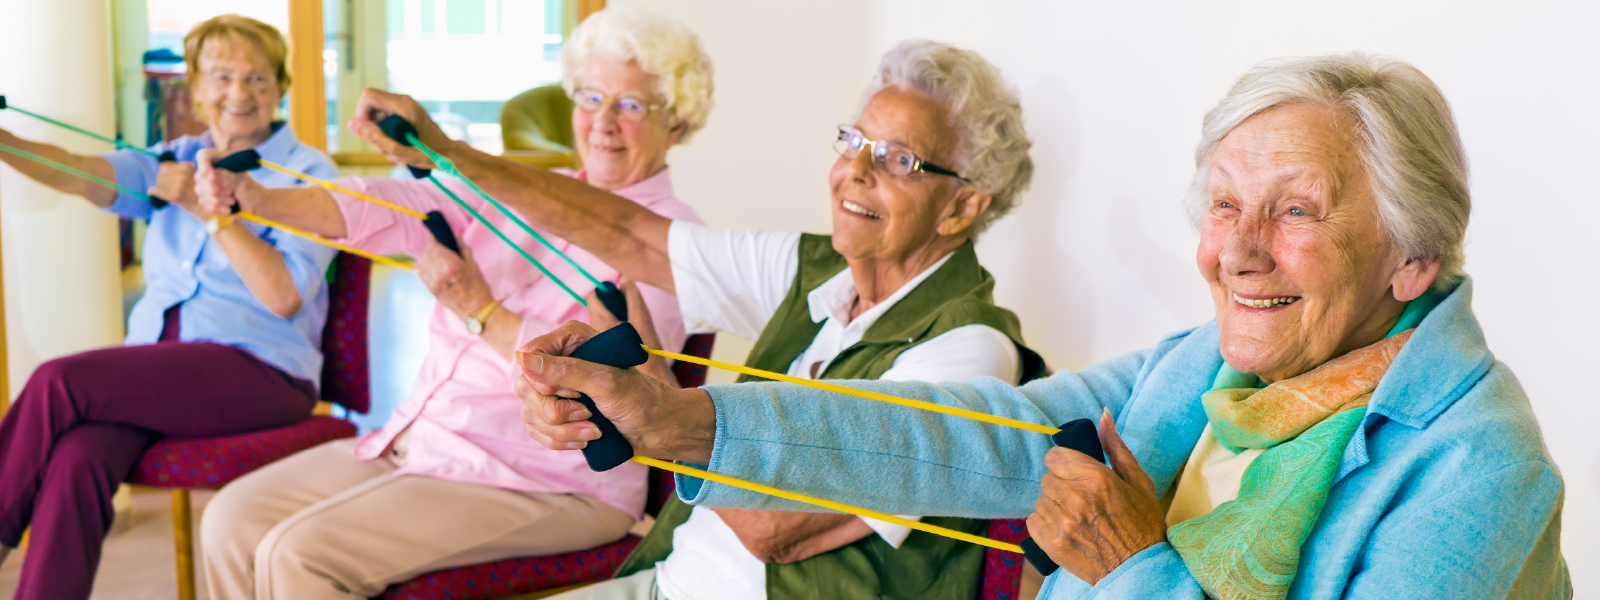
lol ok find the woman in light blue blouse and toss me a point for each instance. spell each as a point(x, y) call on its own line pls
point(1341, 430)
point(225, 339)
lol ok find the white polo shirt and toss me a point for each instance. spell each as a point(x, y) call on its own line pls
point(734, 281)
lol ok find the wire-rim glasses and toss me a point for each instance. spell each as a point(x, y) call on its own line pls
point(629, 108)
point(895, 158)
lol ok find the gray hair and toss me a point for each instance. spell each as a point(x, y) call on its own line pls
point(1406, 138)
point(992, 145)
point(661, 45)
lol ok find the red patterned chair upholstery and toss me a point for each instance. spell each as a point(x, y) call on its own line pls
point(210, 463)
point(521, 575)
point(1002, 571)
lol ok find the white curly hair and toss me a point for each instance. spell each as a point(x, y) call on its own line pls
point(661, 45)
point(992, 149)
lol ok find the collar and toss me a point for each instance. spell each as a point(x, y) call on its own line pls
point(645, 192)
point(833, 298)
point(1445, 357)
point(274, 148)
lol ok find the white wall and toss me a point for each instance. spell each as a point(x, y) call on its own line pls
point(1099, 261)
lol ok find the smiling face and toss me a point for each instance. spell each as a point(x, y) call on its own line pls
point(237, 91)
point(1300, 268)
point(618, 153)
point(883, 217)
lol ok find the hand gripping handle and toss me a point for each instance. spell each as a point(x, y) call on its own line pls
point(397, 128)
point(441, 231)
point(1080, 435)
point(618, 347)
point(166, 157)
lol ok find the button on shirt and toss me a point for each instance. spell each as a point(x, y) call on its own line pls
point(734, 281)
point(183, 265)
point(462, 419)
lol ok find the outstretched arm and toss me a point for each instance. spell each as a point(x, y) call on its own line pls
point(625, 235)
point(64, 182)
point(306, 208)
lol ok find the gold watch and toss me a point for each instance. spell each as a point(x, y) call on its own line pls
point(477, 322)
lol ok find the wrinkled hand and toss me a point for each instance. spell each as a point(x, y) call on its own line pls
point(220, 189)
point(175, 183)
point(1092, 518)
point(639, 314)
point(657, 420)
point(375, 104)
point(456, 281)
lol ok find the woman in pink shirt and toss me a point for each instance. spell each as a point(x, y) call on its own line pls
point(453, 479)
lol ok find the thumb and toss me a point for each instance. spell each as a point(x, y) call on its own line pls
point(1121, 458)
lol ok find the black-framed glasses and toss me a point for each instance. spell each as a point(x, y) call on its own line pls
point(895, 158)
point(629, 108)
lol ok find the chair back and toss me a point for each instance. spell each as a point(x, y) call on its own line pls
point(346, 380)
point(538, 119)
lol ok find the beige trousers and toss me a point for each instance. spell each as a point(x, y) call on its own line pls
point(321, 524)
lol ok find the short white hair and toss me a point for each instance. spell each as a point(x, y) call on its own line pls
point(992, 145)
point(1405, 134)
point(661, 45)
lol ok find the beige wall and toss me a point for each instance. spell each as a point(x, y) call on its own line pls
point(1099, 261)
point(62, 288)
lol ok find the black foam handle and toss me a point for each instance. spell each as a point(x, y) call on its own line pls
point(622, 348)
point(441, 231)
point(1079, 435)
point(166, 157)
point(241, 161)
point(397, 127)
point(613, 299)
point(2, 101)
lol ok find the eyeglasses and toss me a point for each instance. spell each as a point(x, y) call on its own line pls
point(894, 157)
point(629, 108)
point(254, 81)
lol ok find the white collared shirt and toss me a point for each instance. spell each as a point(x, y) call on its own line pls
point(734, 281)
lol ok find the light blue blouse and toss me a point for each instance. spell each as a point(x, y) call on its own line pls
point(1447, 492)
point(182, 264)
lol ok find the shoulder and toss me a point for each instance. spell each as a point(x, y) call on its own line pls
point(1492, 424)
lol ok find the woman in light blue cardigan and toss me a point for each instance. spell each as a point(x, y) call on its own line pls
point(1340, 431)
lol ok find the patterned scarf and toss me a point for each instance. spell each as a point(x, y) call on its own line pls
point(1249, 548)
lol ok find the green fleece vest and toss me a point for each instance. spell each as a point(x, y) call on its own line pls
point(926, 566)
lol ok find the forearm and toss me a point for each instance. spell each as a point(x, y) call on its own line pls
point(501, 331)
point(261, 265)
point(625, 235)
point(62, 181)
point(306, 208)
point(787, 537)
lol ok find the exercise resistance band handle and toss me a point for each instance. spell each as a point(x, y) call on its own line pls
point(250, 160)
point(397, 128)
point(618, 347)
point(166, 157)
point(611, 296)
point(1079, 435)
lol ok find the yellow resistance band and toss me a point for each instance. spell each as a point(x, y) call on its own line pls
point(332, 187)
point(828, 387)
point(325, 241)
point(844, 508)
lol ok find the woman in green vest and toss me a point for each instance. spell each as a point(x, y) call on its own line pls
point(936, 155)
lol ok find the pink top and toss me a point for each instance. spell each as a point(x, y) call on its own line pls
point(464, 419)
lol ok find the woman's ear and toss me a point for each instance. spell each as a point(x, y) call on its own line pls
point(675, 134)
point(964, 211)
point(1414, 277)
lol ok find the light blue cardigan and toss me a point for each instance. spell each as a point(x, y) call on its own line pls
point(1448, 493)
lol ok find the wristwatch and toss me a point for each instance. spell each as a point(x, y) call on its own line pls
point(218, 223)
point(477, 322)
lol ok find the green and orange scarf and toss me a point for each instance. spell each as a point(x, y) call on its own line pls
point(1248, 548)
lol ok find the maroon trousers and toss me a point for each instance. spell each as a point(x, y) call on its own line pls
point(81, 423)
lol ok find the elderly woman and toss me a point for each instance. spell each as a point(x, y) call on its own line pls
point(1340, 431)
point(451, 479)
point(237, 310)
point(936, 154)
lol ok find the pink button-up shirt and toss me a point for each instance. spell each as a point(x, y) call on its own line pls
point(464, 420)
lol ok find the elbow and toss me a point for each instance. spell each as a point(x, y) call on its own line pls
point(286, 307)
